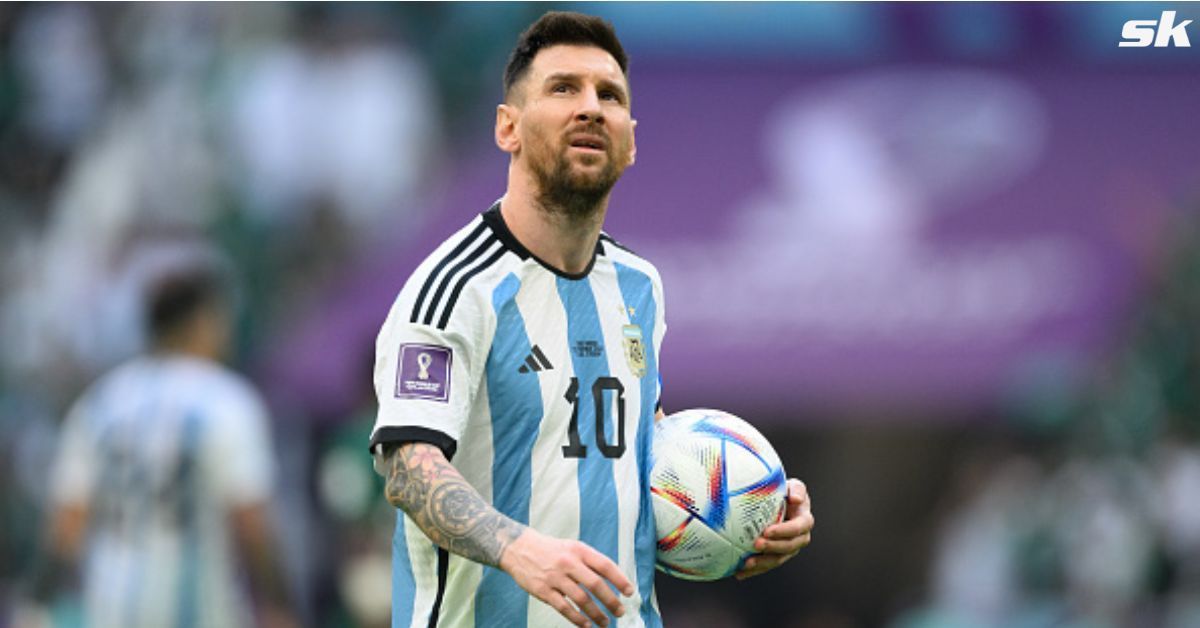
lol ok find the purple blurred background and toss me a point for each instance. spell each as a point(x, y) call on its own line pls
point(925, 234)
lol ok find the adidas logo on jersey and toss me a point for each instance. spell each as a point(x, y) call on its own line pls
point(536, 361)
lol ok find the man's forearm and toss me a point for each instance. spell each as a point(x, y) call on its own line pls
point(448, 510)
point(254, 536)
point(56, 567)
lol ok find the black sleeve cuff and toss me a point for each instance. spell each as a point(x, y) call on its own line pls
point(410, 434)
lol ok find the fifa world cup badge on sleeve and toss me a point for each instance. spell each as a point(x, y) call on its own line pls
point(423, 372)
point(635, 351)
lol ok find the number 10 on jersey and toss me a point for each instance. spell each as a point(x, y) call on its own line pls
point(576, 449)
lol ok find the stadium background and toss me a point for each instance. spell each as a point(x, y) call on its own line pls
point(946, 257)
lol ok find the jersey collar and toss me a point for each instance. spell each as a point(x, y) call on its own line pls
point(495, 221)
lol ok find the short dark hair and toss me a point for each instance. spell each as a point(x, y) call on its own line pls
point(562, 27)
point(175, 298)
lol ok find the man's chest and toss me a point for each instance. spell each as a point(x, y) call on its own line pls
point(579, 359)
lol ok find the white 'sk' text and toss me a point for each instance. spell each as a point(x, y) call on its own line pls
point(1162, 33)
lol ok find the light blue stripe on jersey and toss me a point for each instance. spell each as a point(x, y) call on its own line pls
point(404, 586)
point(189, 514)
point(515, 400)
point(638, 292)
point(599, 518)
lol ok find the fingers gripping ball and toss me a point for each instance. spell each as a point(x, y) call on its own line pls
point(716, 484)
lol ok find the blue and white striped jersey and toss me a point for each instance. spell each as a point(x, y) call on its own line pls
point(162, 450)
point(541, 387)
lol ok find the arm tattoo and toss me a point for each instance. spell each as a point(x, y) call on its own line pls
point(447, 509)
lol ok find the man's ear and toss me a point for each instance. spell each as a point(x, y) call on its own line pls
point(632, 142)
point(506, 128)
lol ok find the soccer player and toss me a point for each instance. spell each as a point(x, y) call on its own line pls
point(517, 375)
point(164, 474)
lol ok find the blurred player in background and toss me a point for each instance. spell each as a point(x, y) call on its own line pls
point(164, 475)
point(517, 375)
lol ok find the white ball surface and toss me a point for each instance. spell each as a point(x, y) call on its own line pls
point(716, 483)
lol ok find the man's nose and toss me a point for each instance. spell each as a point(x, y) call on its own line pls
point(589, 107)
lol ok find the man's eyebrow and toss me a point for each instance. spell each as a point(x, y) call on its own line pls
point(606, 83)
point(562, 76)
point(575, 77)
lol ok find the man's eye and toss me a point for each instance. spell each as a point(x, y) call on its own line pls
point(613, 96)
point(561, 88)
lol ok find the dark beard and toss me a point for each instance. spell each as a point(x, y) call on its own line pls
point(560, 193)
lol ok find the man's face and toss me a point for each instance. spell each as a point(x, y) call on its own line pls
point(574, 126)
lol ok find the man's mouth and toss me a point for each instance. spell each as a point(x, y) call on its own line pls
point(588, 143)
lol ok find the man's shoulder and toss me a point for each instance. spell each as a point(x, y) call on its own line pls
point(622, 254)
point(472, 234)
point(454, 273)
point(221, 385)
point(196, 382)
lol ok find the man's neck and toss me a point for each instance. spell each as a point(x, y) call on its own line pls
point(187, 345)
point(166, 352)
point(560, 240)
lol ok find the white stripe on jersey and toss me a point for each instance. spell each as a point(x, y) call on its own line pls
point(554, 499)
point(620, 255)
point(424, 568)
point(613, 317)
point(474, 461)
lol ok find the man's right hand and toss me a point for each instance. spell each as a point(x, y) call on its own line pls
point(452, 514)
point(561, 573)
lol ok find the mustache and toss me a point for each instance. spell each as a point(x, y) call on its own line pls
point(590, 128)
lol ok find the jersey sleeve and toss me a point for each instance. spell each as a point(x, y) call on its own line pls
point(427, 372)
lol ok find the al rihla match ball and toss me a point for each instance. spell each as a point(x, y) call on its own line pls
point(716, 484)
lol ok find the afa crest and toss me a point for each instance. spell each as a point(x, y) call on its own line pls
point(635, 349)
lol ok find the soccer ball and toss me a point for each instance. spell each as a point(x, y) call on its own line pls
point(716, 484)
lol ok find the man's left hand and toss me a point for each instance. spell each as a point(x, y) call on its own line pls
point(781, 541)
